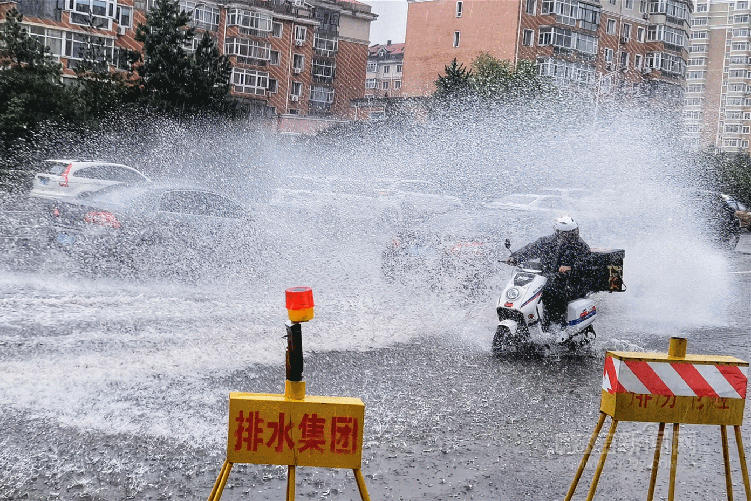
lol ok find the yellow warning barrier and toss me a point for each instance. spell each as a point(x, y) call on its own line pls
point(294, 429)
point(670, 388)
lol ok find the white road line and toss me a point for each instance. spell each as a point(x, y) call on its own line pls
point(738, 272)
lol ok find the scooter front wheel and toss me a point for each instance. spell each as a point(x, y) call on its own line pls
point(505, 341)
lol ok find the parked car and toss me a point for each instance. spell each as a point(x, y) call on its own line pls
point(404, 199)
point(60, 179)
point(166, 228)
point(459, 248)
point(741, 211)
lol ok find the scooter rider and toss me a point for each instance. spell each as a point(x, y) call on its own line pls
point(561, 255)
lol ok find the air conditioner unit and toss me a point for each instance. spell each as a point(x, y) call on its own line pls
point(647, 70)
point(297, 70)
point(624, 40)
point(121, 30)
point(299, 42)
point(294, 98)
point(608, 67)
point(298, 3)
point(645, 15)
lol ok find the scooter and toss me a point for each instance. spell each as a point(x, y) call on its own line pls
point(521, 307)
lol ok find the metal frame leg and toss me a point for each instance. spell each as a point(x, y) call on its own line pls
point(742, 457)
point(587, 453)
point(221, 481)
point(673, 462)
point(291, 483)
point(361, 485)
point(656, 462)
point(603, 456)
point(726, 460)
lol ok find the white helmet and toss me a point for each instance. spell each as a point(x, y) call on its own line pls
point(565, 223)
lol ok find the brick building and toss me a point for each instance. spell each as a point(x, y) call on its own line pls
point(291, 58)
point(717, 108)
point(384, 74)
point(613, 45)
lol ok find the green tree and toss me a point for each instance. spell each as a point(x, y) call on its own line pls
point(31, 90)
point(455, 84)
point(169, 76)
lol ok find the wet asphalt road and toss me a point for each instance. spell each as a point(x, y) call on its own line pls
point(444, 418)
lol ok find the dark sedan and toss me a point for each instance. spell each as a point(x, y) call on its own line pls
point(173, 230)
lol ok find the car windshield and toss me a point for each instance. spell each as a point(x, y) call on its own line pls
point(55, 167)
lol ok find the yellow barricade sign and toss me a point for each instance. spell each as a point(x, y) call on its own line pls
point(659, 388)
point(672, 388)
point(317, 431)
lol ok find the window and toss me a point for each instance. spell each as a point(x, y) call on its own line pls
point(386, 69)
point(641, 34)
point(397, 84)
point(629, 4)
point(608, 55)
point(567, 12)
point(548, 6)
point(298, 62)
point(323, 68)
point(740, 32)
point(623, 60)
point(372, 66)
point(702, 7)
point(277, 30)
point(589, 16)
point(325, 46)
point(398, 68)
point(77, 47)
point(695, 88)
point(48, 38)
point(530, 7)
point(300, 33)
point(371, 83)
point(249, 19)
point(274, 57)
point(321, 94)
point(638, 61)
point(740, 5)
point(204, 16)
point(626, 31)
point(699, 21)
point(737, 73)
point(296, 89)
point(456, 38)
point(739, 46)
point(249, 81)
point(528, 38)
point(273, 86)
point(124, 16)
point(244, 47)
point(698, 35)
point(385, 84)
point(459, 9)
point(696, 61)
point(698, 48)
point(611, 27)
point(545, 36)
point(99, 13)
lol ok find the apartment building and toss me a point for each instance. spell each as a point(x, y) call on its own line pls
point(291, 58)
point(384, 73)
point(618, 46)
point(717, 103)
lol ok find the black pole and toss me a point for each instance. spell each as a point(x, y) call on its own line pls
point(294, 351)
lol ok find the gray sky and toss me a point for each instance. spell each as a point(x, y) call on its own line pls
point(391, 23)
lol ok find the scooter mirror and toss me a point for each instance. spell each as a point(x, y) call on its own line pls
point(507, 243)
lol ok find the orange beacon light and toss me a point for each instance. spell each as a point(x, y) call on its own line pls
point(300, 304)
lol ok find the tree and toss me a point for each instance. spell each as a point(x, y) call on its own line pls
point(492, 79)
point(31, 90)
point(171, 77)
point(455, 84)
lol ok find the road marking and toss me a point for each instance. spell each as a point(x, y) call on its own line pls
point(738, 272)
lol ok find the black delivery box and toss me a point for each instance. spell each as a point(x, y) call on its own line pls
point(605, 270)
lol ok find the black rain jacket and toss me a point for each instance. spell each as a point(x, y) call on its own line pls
point(554, 253)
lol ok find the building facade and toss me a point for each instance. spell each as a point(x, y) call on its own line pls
point(290, 58)
point(613, 46)
point(384, 74)
point(717, 110)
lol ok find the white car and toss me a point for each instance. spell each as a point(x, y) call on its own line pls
point(62, 179)
point(417, 197)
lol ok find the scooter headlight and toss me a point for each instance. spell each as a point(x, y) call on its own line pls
point(512, 293)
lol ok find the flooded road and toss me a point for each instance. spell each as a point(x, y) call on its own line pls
point(115, 388)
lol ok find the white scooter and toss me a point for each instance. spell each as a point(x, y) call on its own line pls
point(521, 308)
